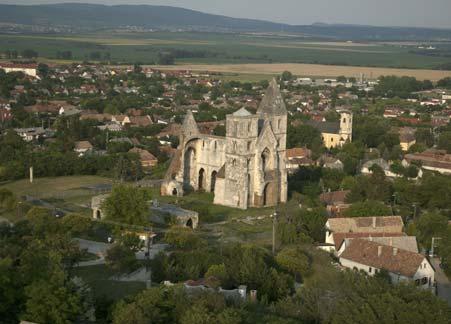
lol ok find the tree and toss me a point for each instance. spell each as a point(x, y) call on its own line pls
point(127, 204)
point(29, 54)
point(294, 260)
point(183, 238)
point(342, 79)
point(367, 208)
point(444, 141)
point(430, 225)
point(52, 301)
point(43, 70)
point(120, 258)
point(287, 76)
point(445, 83)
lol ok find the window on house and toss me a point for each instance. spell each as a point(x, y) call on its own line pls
point(424, 281)
point(344, 120)
point(278, 124)
point(249, 127)
point(370, 270)
point(249, 146)
point(331, 139)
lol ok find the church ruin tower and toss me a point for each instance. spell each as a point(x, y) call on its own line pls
point(246, 168)
point(272, 110)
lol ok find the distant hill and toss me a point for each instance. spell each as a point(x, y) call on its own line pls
point(76, 17)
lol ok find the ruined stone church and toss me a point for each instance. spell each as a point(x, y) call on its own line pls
point(246, 168)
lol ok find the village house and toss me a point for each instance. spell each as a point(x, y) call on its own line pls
point(297, 157)
point(140, 121)
point(27, 69)
point(146, 158)
point(82, 147)
point(407, 138)
point(330, 162)
point(335, 202)
point(122, 120)
point(30, 134)
point(381, 224)
point(402, 265)
point(5, 113)
point(432, 160)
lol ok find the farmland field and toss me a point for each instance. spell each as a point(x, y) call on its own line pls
point(252, 72)
point(215, 48)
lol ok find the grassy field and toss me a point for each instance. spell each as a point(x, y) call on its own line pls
point(66, 193)
point(249, 72)
point(225, 48)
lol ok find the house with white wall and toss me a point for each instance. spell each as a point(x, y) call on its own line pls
point(402, 265)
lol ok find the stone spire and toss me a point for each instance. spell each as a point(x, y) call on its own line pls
point(189, 127)
point(272, 102)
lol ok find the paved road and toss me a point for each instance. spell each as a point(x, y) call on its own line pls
point(443, 283)
point(99, 249)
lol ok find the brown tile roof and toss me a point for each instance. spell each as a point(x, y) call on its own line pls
point(380, 256)
point(298, 152)
point(379, 224)
point(435, 159)
point(143, 154)
point(141, 121)
point(340, 237)
point(83, 145)
point(334, 197)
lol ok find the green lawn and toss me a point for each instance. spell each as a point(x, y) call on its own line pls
point(66, 193)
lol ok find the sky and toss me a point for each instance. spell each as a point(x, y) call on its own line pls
point(414, 13)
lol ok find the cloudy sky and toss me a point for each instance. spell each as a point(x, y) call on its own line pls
point(421, 13)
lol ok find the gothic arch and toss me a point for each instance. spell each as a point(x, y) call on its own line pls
point(189, 167)
point(202, 180)
point(270, 194)
point(266, 160)
point(213, 181)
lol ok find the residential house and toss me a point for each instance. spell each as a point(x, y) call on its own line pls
point(330, 162)
point(140, 121)
point(335, 202)
point(379, 224)
point(122, 120)
point(82, 147)
point(27, 69)
point(432, 160)
point(297, 157)
point(30, 134)
point(402, 265)
point(397, 240)
point(147, 159)
point(407, 138)
point(5, 113)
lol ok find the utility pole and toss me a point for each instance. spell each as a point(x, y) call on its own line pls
point(274, 221)
point(148, 269)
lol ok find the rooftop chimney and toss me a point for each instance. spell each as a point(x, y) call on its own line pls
point(395, 251)
point(379, 250)
point(374, 222)
point(391, 241)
